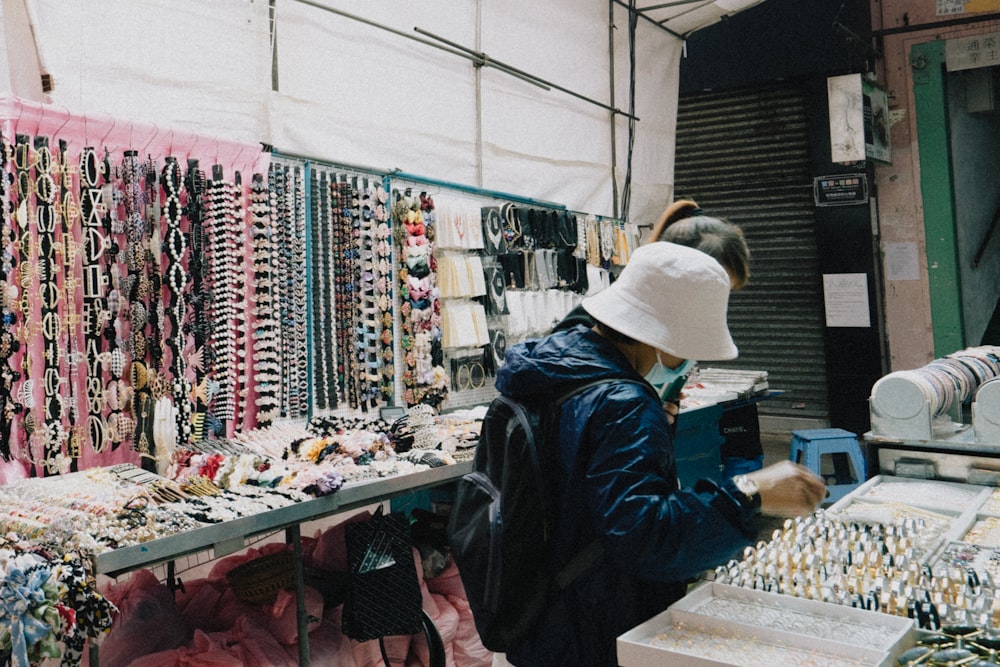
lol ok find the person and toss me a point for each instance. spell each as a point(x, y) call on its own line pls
point(610, 469)
point(685, 223)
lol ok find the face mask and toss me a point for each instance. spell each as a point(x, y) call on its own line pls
point(666, 381)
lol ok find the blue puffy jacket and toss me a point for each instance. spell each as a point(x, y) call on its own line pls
point(614, 478)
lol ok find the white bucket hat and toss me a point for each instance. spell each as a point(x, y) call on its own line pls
point(671, 297)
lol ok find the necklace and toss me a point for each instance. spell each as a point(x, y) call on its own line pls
point(459, 224)
point(8, 407)
point(593, 244)
point(494, 230)
point(498, 297)
point(607, 231)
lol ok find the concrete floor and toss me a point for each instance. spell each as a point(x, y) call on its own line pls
point(776, 446)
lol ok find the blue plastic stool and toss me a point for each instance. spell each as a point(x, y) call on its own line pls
point(810, 445)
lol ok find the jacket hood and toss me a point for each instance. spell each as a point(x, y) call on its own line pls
point(545, 367)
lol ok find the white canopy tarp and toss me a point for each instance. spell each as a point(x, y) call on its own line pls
point(349, 91)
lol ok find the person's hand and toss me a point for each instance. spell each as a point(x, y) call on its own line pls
point(672, 409)
point(788, 489)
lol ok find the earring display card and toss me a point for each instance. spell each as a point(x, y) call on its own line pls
point(468, 372)
point(496, 291)
point(497, 348)
point(493, 238)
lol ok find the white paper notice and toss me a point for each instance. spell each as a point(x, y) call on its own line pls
point(901, 261)
point(846, 297)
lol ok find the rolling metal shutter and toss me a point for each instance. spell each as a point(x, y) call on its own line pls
point(744, 155)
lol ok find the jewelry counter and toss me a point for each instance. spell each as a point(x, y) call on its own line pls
point(228, 536)
point(900, 571)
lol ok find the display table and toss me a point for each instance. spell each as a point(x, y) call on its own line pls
point(223, 536)
point(698, 440)
point(899, 569)
point(229, 537)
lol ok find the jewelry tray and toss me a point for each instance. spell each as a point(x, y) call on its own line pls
point(963, 498)
point(963, 507)
point(692, 632)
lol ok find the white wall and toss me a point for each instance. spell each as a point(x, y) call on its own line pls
point(354, 94)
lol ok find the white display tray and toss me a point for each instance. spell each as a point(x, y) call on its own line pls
point(683, 636)
point(960, 501)
point(807, 617)
point(983, 530)
point(991, 506)
point(954, 498)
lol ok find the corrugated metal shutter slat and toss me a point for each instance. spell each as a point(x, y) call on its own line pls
point(744, 155)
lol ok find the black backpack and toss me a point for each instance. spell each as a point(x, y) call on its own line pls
point(499, 528)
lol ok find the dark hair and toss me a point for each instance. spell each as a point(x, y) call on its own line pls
point(684, 223)
point(614, 335)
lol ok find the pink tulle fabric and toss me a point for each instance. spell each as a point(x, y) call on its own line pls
point(243, 646)
point(367, 654)
point(204, 652)
point(148, 620)
point(448, 582)
point(330, 550)
point(200, 601)
point(156, 624)
point(328, 646)
point(254, 646)
point(466, 649)
point(282, 616)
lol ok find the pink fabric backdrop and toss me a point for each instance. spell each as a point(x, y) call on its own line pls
point(18, 116)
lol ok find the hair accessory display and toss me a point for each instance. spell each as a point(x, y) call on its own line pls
point(424, 381)
point(9, 345)
point(288, 281)
point(225, 310)
point(265, 332)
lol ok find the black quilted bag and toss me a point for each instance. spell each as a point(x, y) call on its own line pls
point(383, 596)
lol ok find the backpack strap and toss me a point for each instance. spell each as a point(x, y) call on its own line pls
point(593, 552)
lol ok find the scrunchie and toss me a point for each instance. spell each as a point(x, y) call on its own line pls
point(22, 601)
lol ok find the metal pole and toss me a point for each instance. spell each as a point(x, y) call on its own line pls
point(362, 19)
point(480, 59)
point(531, 78)
point(614, 133)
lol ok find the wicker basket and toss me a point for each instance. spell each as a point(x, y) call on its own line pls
point(258, 581)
